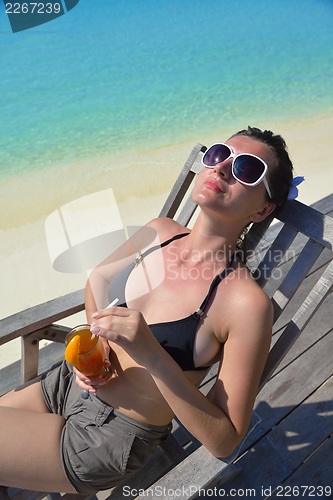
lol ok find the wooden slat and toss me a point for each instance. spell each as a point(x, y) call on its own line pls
point(315, 298)
point(270, 227)
point(187, 212)
point(295, 276)
point(324, 205)
point(41, 316)
point(56, 333)
point(274, 254)
point(30, 348)
point(308, 221)
point(11, 374)
point(275, 457)
point(30, 355)
point(281, 272)
point(306, 427)
point(182, 184)
point(316, 472)
point(191, 475)
point(320, 325)
point(256, 232)
point(308, 283)
point(298, 323)
point(291, 386)
point(174, 198)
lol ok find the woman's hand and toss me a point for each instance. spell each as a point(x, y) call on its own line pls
point(128, 329)
point(91, 384)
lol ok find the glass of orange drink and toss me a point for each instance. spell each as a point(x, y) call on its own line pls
point(85, 351)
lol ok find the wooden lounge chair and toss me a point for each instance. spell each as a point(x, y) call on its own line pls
point(283, 255)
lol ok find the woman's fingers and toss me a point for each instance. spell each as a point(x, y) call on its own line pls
point(114, 331)
point(107, 352)
point(112, 311)
point(104, 319)
point(128, 329)
point(89, 384)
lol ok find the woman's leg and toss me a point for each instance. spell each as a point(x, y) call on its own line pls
point(30, 442)
point(26, 397)
point(30, 450)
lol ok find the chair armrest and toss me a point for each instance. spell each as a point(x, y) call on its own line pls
point(40, 316)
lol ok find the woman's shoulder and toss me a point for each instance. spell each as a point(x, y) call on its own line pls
point(248, 311)
point(245, 293)
point(167, 228)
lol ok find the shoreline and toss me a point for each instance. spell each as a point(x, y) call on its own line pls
point(25, 267)
point(146, 173)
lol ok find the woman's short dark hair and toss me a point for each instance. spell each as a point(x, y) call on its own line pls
point(279, 178)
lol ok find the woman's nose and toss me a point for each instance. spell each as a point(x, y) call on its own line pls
point(224, 168)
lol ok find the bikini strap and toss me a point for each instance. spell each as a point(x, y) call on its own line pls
point(156, 247)
point(199, 312)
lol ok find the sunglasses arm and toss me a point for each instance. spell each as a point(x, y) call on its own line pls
point(267, 188)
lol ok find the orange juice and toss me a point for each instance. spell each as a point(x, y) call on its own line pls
point(85, 351)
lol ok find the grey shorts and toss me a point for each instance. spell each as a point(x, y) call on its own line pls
point(100, 447)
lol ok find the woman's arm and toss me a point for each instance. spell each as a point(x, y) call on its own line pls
point(219, 425)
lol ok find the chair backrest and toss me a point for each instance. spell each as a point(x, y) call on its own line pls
point(179, 199)
point(291, 242)
point(304, 240)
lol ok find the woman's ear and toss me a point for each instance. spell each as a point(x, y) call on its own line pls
point(259, 216)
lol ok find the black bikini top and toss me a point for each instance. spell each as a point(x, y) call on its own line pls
point(176, 337)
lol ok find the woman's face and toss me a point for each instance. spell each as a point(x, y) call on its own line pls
point(217, 190)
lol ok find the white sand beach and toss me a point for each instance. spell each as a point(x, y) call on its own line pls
point(26, 271)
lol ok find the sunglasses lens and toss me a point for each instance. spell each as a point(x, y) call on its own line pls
point(216, 154)
point(248, 169)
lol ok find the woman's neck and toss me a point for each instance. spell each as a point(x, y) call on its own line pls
point(209, 239)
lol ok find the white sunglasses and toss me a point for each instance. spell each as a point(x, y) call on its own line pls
point(246, 168)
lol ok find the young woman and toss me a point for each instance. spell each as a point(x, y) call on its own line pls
point(161, 339)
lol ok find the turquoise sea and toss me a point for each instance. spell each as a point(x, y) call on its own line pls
point(112, 77)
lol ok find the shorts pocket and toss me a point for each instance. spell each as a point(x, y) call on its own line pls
point(122, 450)
point(101, 463)
point(141, 451)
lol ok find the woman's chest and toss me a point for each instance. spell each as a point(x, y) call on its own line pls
point(165, 290)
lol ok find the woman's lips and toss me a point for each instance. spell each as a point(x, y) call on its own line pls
point(215, 185)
